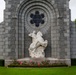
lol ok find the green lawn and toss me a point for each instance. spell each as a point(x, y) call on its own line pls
point(38, 71)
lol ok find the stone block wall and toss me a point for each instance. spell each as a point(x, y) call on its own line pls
point(10, 28)
point(1, 41)
point(64, 26)
point(73, 40)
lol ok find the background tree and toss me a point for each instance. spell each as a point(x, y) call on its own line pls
point(75, 21)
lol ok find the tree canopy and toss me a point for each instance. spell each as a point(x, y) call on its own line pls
point(75, 21)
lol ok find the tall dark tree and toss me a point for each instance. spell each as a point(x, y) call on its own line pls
point(75, 21)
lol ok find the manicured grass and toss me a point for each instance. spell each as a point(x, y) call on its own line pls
point(38, 71)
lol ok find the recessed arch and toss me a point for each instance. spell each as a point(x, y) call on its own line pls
point(24, 27)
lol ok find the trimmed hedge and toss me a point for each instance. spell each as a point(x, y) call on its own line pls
point(1, 62)
point(73, 62)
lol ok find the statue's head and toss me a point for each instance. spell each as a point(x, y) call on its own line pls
point(34, 32)
point(39, 33)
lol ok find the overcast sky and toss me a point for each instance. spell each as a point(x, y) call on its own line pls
point(72, 6)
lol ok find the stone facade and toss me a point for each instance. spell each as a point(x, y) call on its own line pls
point(1, 41)
point(73, 40)
point(17, 25)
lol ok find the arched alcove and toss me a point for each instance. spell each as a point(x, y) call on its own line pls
point(48, 28)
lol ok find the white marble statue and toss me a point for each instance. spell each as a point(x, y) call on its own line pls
point(38, 45)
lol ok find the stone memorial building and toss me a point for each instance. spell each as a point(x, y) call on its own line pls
point(51, 17)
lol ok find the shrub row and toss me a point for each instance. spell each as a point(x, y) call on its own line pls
point(1, 62)
point(36, 64)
